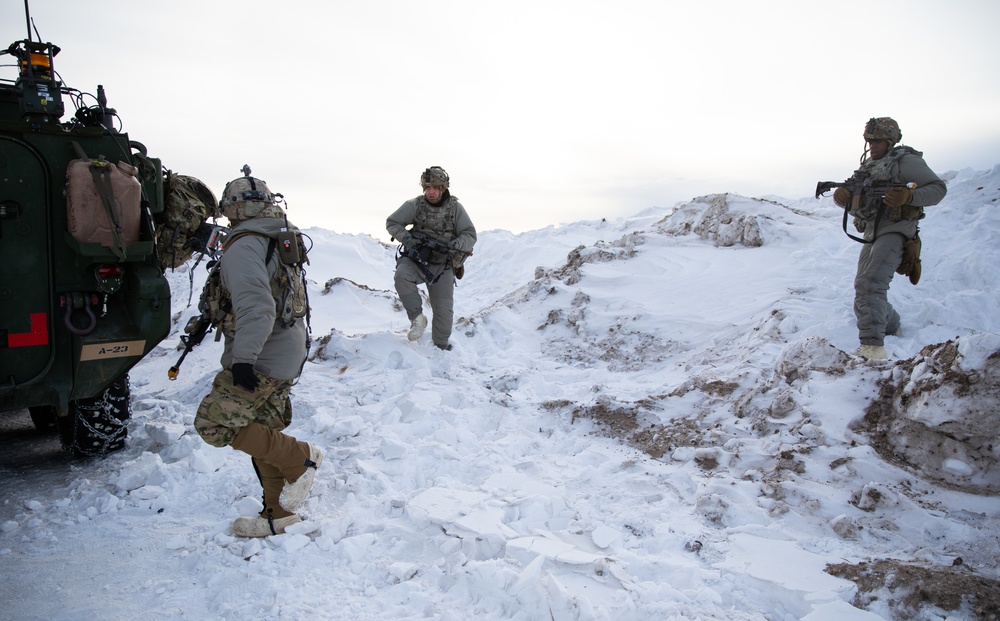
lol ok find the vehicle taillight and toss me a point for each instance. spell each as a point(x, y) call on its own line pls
point(109, 277)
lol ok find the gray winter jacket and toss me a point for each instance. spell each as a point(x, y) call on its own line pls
point(464, 235)
point(260, 338)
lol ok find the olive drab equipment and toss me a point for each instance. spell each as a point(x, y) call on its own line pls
point(188, 204)
point(83, 294)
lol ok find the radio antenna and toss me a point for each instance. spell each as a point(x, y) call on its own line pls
point(27, 19)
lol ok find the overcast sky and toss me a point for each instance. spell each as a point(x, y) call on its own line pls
point(543, 112)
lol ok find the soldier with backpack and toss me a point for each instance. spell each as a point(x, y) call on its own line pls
point(266, 342)
point(889, 225)
point(439, 238)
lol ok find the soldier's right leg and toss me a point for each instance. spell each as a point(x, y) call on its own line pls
point(273, 518)
point(877, 263)
point(406, 279)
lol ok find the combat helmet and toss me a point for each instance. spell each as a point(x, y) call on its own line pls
point(883, 128)
point(247, 197)
point(434, 176)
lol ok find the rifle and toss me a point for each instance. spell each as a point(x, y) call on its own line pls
point(197, 328)
point(420, 253)
point(208, 241)
point(871, 190)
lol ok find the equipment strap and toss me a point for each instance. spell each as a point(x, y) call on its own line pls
point(100, 171)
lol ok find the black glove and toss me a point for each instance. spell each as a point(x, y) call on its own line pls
point(244, 376)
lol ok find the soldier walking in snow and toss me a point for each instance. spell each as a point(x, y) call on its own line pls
point(441, 237)
point(265, 349)
point(889, 225)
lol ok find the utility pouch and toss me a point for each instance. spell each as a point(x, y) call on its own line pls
point(910, 264)
point(288, 248)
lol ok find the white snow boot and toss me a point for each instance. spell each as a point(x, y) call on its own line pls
point(295, 492)
point(417, 327)
point(871, 352)
point(263, 526)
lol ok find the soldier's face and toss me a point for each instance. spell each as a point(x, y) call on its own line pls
point(433, 193)
point(878, 148)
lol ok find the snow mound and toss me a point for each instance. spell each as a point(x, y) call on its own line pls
point(936, 413)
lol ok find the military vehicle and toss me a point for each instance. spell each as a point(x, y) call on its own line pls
point(83, 296)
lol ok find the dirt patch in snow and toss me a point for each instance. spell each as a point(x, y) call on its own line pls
point(628, 423)
point(908, 589)
point(936, 415)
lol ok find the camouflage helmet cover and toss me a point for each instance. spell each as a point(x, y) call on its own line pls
point(248, 197)
point(883, 128)
point(434, 176)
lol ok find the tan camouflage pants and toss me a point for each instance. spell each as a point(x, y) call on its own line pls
point(229, 408)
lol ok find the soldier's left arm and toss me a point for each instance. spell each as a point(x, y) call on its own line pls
point(930, 188)
point(465, 232)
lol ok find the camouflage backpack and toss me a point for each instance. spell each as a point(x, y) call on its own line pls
point(188, 204)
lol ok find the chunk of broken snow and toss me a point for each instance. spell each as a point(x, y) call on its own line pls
point(147, 492)
point(443, 506)
point(393, 449)
point(604, 536)
point(555, 550)
point(144, 470)
point(164, 433)
point(291, 543)
point(783, 563)
point(839, 610)
point(208, 458)
point(957, 466)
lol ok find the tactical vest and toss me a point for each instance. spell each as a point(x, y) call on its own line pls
point(883, 171)
point(288, 288)
point(439, 222)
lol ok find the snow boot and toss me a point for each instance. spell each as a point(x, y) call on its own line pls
point(296, 492)
point(272, 483)
point(263, 526)
point(417, 327)
point(871, 352)
point(297, 461)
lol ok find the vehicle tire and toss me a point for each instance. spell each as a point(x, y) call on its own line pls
point(43, 417)
point(98, 426)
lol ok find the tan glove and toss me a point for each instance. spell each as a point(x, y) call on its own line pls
point(842, 196)
point(897, 197)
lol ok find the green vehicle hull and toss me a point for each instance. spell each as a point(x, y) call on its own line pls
point(75, 316)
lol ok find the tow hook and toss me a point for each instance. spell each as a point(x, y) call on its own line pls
point(84, 301)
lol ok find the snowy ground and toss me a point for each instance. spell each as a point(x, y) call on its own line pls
point(649, 418)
